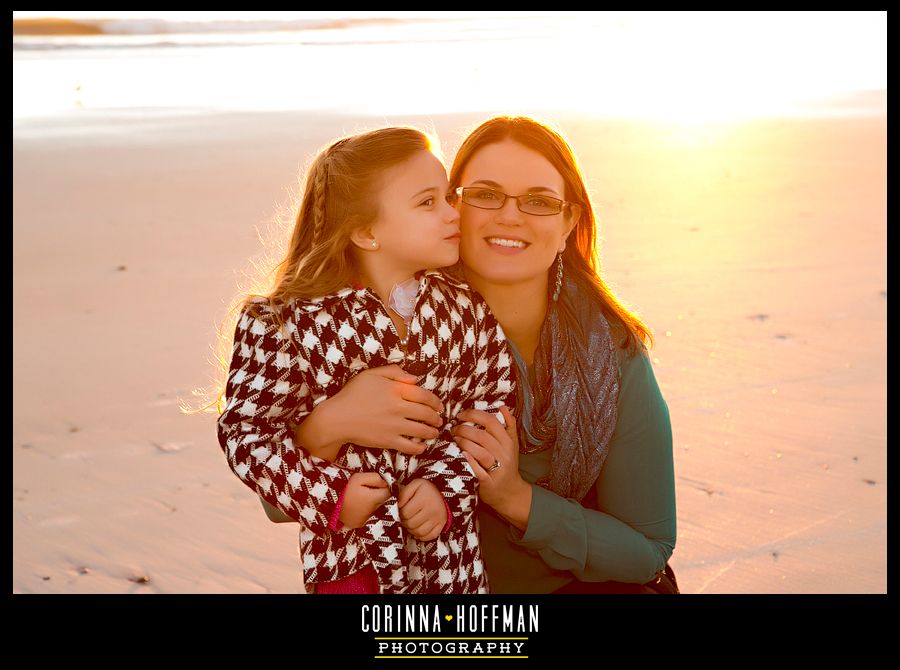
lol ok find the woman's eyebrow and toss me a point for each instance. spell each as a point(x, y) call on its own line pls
point(532, 189)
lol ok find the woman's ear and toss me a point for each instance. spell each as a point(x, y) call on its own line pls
point(571, 220)
point(364, 239)
point(573, 216)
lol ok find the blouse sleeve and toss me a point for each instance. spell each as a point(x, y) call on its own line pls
point(266, 398)
point(632, 535)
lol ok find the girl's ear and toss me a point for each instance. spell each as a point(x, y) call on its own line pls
point(364, 239)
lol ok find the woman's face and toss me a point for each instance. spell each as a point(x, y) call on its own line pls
point(508, 246)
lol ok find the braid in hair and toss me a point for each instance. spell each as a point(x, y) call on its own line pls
point(340, 191)
point(320, 184)
point(318, 209)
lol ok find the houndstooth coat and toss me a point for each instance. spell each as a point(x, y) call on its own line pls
point(282, 367)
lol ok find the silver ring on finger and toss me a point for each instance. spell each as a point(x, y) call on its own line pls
point(495, 466)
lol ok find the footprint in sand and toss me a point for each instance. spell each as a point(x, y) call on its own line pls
point(75, 455)
point(758, 317)
point(172, 447)
point(139, 579)
point(58, 521)
point(870, 482)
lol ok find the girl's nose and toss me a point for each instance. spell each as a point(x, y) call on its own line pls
point(451, 214)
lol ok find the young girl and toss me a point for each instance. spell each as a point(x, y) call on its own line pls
point(357, 290)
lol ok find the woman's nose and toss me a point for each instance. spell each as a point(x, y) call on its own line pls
point(509, 212)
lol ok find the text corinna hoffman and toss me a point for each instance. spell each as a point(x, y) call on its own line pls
point(458, 619)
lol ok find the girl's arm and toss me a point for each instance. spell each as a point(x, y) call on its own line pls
point(266, 396)
point(491, 387)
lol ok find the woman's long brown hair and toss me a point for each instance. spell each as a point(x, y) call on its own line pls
point(581, 260)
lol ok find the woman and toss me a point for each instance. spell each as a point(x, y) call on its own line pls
point(579, 492)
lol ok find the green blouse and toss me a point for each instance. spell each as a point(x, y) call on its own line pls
point(623, 531)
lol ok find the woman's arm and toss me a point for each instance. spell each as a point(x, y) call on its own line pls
point(371, 410)
point(380, 408)
point(275, 515)
point(632, 535)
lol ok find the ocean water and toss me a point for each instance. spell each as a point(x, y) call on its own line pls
point(676, 66)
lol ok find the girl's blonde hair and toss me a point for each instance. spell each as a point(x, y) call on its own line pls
point(581, 260)
point(340, 194)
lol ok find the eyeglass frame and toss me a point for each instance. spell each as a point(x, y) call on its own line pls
point(563, 204)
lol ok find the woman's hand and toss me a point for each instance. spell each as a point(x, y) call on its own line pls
point(493, 453)
point(422, 509)
point(380, 408)
point(365, 493)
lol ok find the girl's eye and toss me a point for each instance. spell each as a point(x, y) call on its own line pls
point(428, 202)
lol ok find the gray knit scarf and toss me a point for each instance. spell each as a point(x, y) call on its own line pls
point(576, 379)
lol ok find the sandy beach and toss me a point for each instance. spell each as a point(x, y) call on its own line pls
point(756, 251)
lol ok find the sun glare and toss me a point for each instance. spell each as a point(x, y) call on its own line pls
point(679, 67)
point(695, 67)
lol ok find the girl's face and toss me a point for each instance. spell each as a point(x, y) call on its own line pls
point(416, 229)
point(506, 245)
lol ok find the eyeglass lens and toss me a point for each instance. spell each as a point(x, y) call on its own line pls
point(488, 198)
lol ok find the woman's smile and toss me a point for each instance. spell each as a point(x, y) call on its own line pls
point(505, 244)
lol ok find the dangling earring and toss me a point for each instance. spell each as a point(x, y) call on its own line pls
point(559, 276)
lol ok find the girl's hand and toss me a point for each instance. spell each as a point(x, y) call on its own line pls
point(493, 453)
point(365, 493)
point(380, 408)
point(422, 509)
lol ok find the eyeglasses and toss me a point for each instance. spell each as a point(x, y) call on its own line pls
point(530, 203)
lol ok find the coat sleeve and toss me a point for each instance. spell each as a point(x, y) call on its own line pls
point(266, 397)
point(491, 386)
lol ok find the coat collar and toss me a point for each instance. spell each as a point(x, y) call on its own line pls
point(360, 292)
